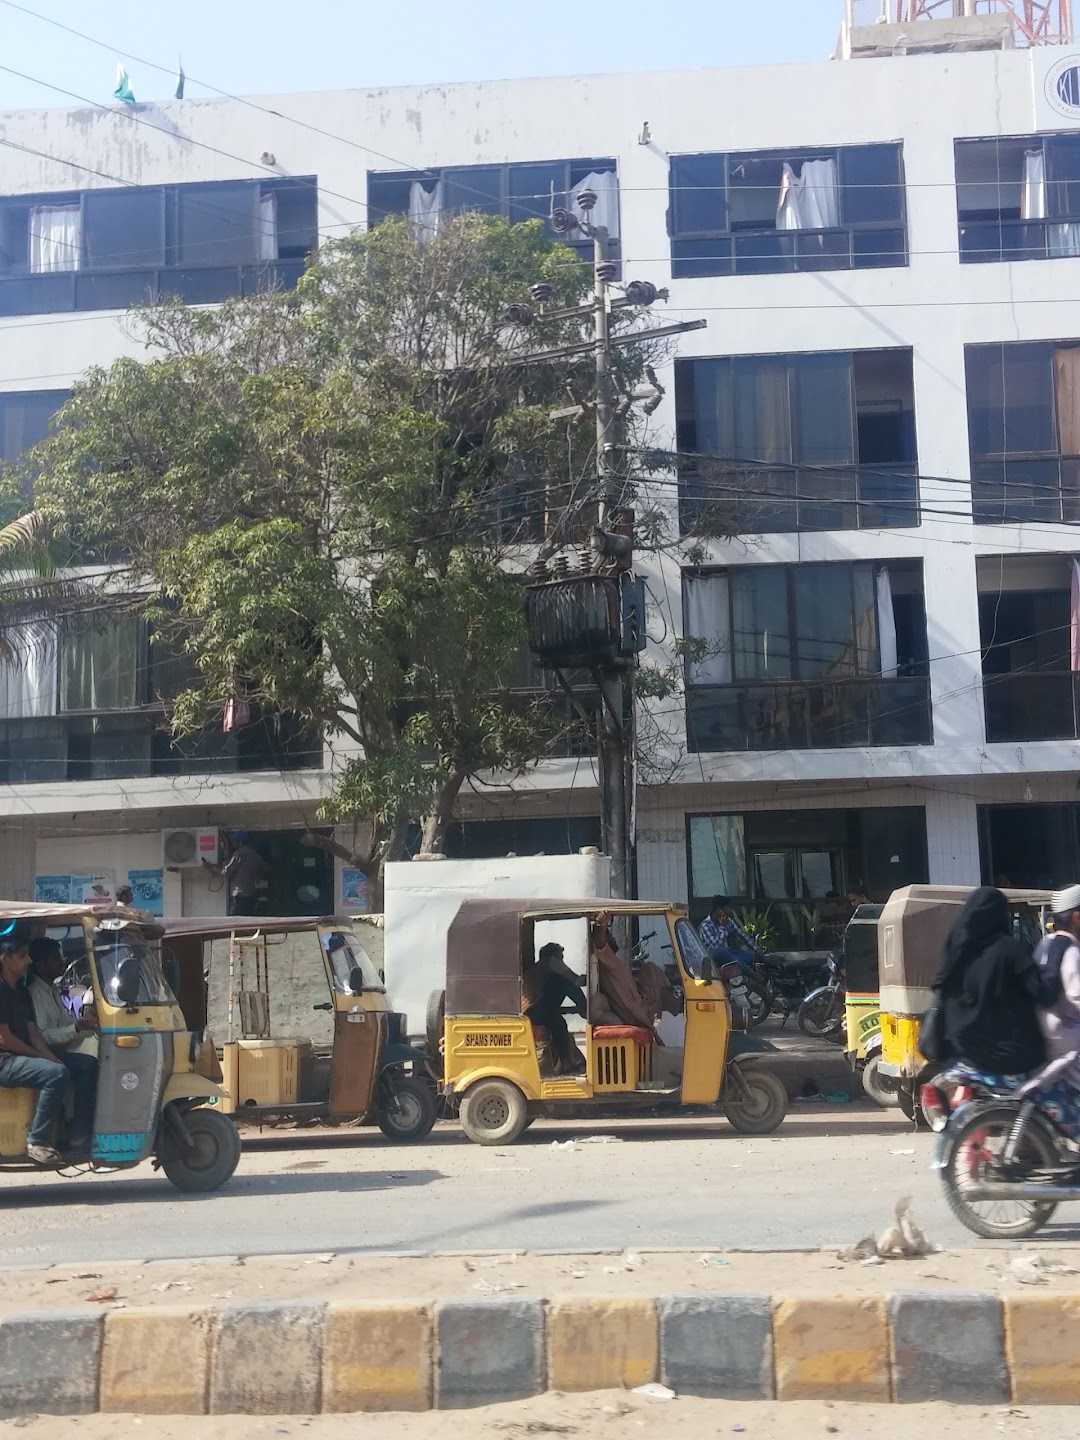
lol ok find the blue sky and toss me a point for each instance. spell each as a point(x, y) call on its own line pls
point(271, 46)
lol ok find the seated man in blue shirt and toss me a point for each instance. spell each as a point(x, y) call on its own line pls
point(724, 940)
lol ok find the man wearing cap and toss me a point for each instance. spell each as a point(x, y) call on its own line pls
point(1058, 959)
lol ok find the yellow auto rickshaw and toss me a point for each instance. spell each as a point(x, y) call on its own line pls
point(276, 1064)
point(151, 1099)
point(862, 1002)
point(912, 930)
point(499, 1072)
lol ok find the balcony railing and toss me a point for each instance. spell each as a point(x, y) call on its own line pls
point(61, 290)
point(1026, 488)
point(982, 241)
point(760, 499)
point(1032, 705)
point(808, 715)
point(123, 745)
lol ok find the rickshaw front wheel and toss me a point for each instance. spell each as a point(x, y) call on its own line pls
point(407, 1108)
point(210, 1158)
point(758, 1105)
point(493, 1112)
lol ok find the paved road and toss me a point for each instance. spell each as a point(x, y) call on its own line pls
point(829, 1176)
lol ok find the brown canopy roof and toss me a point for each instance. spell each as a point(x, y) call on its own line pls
point(219, 927)
point(55, 915)
point(483, 946)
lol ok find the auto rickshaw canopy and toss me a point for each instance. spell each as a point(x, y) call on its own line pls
point(55, 916)
point(914, 925)
point(487, 941)
point(220, 927)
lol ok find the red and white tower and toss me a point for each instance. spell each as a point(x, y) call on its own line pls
point(1035, 22)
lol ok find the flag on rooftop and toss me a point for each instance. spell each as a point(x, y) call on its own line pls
point(123, 90)
point(180, 79)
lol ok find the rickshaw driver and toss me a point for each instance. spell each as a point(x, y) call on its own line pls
point(26, 1062)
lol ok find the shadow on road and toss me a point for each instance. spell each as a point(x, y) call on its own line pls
point(151, 1190)
point(549, 1210)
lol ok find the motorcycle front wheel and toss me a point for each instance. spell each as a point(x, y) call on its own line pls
point(974, 1155)
point(820, 1014)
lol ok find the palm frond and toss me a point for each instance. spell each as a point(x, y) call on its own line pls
point(25, 540)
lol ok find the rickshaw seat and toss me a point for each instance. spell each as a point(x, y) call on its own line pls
point(637, 1033)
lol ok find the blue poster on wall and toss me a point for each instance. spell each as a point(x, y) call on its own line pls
point(354, 888)
point(148, 890)
point(52, 889)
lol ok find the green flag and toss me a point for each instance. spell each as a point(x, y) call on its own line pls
point(123, 86)
point(180, 79)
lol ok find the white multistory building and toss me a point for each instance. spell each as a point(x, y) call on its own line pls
point(886, 248)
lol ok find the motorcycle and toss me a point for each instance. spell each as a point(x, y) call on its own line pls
point(822, 1014)
point(1006, 1160)
point(780, 984)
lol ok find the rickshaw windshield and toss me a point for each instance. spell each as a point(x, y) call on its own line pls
point(126, 947)
point(350, 965)
point(691, 949)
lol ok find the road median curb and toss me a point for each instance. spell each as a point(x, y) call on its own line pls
point(296, 1357)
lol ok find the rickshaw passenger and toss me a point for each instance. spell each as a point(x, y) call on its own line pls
point(59, 1028)
point(637, 1001)
point(26, 1062)
point(546, 984)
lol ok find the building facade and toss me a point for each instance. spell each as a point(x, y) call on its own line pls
point(886, 398)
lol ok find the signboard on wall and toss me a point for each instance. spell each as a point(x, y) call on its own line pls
point(53, 889)
point(1056, 79)
point(148, 890)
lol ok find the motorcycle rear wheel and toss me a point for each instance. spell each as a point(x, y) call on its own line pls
point(973, 1148)
point(820, 1014)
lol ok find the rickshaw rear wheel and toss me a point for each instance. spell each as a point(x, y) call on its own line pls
point(407, 1109)
point(874, 1087)
point(760, 1107)
point(493, 1112)
point(209, 1161)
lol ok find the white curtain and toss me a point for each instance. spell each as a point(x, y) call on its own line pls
point(708, 618)
point(1033, 190)
point(1074, 615)
point(55, 238)
point(605, 185)
point(268, 238)
point(810, 201)
point(28, 678)
point(886, 625)
point(100, 667)
point(425, 210)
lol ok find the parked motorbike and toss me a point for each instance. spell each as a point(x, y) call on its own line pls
point(822, 1014)
point(780, 984)
point(1006, 1161)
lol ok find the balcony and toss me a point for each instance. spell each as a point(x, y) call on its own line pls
point(865, 497)
point(60, 291)
point(1032, 705)
point(124, 745)
point(808, 715)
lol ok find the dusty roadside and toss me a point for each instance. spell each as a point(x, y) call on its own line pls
point(476, 1275)
point(610, 1415)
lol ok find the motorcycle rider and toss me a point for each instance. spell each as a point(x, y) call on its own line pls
point(990, 990)
point(1058, 961)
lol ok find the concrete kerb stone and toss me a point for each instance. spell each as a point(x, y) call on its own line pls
point(49, 1364)
point(488, 1351)
point(300, 1358)
point(717, 1345)
point(948, 1347)
point(267, 1359)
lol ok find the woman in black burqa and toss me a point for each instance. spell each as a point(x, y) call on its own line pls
point(990, 989)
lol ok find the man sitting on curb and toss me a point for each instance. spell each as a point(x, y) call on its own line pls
point(27, 1062)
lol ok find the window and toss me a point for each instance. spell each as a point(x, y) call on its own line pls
point(519, 192)
point(799, 442)
point(1024, 427)
point(761, 213)
point(26, 419)
point(1025, 628)
point(806, 657)
point(1018, 198)
point(792, 869)
point(108, 249)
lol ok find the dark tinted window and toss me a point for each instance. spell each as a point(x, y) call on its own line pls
point(698, 198)
point(123, 229)
point(26, 419)
point(218, 224)
point(872, 185)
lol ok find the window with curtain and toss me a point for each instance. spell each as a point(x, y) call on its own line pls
point(770, 211)
point(1018, 198)
point(529, 191)
point(55, 235)
point(1023, 404)
point(819, 441)
point(102, 666)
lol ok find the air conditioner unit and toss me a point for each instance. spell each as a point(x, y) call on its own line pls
point(187, 849)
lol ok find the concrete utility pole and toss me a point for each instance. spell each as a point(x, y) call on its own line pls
point(614, 667)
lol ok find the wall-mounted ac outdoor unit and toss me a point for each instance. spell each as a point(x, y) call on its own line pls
point(187, 849)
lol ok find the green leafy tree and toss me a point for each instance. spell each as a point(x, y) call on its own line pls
point(326, 498)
